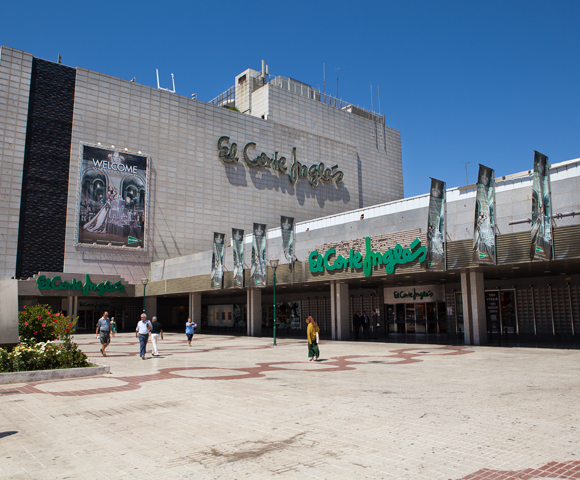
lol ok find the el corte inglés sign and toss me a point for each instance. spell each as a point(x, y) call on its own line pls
point(56, 283)
point(390, 259)
point(314, 173)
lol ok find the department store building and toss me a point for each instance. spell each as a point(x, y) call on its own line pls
point(112, 192)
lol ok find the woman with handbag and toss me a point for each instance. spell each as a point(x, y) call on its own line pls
point(312, 336)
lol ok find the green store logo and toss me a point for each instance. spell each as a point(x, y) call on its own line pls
point(314, 173)
point(55, 283)
point(390, 259)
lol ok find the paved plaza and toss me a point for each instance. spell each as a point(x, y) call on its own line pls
point(238, 407)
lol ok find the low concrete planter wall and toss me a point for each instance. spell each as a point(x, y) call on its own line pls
point(41, 375)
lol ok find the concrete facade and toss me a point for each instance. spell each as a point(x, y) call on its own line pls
point(15, 72)
point(8, 312)
point(192, 193)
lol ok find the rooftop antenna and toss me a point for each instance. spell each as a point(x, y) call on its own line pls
point(379, 95)
point(324, 76)
point(466, 180)
point(338, 70)
point(166, 89)
point(372, 108)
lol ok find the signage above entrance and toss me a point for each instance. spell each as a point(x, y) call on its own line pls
point(55, 283)
point(315, 173)
point(415, 294)
point(390, 259)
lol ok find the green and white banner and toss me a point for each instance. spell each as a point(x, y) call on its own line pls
point(436, 227)
point(542, 239)
point(238, 251)
point(484, 223)
point(258, 266)
point(287, 227)
point(217, 260)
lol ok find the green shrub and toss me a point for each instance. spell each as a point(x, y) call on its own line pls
point(26, 357)
point(45, 343)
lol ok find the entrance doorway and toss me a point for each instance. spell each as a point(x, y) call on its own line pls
point(428, 318)
point(501, 312)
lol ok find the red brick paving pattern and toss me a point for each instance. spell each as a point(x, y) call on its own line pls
point(566, 470)
point(336, 364)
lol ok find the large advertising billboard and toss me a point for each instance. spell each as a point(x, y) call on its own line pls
point(113, 188)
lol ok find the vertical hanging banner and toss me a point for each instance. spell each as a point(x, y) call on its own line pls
point(436, 227)
point(484, 223)
point(258, 267)
point(217, 260)
point(542, 240)
point(238, 251)
point(287, 227)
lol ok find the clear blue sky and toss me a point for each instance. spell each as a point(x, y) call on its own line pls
point(464, 81)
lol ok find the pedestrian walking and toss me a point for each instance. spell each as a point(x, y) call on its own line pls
point(376, 323)
point(312, 336)
point(189, 329)
point(356, 324)
point(104, 332)
point(113, 326)
point(156, 333)
point(142, 332)
point(364, 320)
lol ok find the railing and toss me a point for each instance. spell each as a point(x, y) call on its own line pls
point(314, 94)
point(229, 96)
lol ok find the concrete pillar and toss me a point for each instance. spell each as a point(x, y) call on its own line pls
point(195, 310)
point(339, 311)
point(466, 300)
point(478, 308)
point(8, 312)
point(254, 313)
point(333, 323)
point(70, 309)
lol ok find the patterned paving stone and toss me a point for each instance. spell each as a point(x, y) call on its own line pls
point(237, 407)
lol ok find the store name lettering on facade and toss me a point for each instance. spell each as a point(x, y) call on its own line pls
point(315, 173)
point(55, 283)
point(414, 294)
point(390, 259)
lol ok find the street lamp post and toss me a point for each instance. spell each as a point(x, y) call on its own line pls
point(144, 281)
point(274, 264)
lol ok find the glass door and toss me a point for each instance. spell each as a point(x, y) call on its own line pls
point(400, 317)
point(390, 312)
point(508, 310)
point(441, 318)
point(431, 318)
point(410, 317)
point(420, 318)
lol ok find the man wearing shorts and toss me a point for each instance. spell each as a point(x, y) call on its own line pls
point(104, 332)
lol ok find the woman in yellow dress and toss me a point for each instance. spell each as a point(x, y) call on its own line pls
point(311, 334)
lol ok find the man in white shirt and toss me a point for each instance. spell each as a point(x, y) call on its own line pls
point(104, 332)
point(142, 332)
